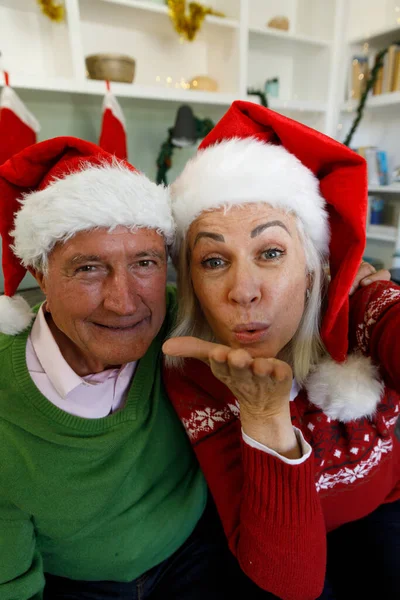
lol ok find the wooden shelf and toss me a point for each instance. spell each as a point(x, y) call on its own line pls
point(163, 10)
point(296, 38)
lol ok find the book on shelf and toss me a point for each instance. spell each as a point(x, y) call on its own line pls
point(359, 73)
point(383, 171)
point(388, 77)
point(377, 164)
point(377, 89)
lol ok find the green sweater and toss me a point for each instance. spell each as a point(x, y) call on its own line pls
point(94, 499)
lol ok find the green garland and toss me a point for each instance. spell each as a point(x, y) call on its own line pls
point(262, 95)
point(370, 84)
point(164, 158)
point(203, 128)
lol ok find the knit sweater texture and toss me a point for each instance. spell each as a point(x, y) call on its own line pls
point(91, 499)
point(276, 515)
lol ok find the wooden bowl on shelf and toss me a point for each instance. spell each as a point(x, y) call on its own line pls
point(111, 67)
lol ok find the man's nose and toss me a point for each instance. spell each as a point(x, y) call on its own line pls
point(120, 295)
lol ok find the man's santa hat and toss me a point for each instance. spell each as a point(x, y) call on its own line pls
point(54, 189)
point(113, 128)
point(257, 155)
point(18, 127)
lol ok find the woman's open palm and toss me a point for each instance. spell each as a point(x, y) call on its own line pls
point(261, 385)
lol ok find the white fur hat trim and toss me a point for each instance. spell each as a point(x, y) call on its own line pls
point(15, 314)
point(239, 171)
point(346, 391)
point(98, 196)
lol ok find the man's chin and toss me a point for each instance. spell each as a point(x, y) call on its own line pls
point(116, 348)
point(123, 356)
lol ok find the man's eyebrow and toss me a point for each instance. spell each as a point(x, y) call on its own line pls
point(151, 253)
point(78, 259)
point(81, 258)
point(260, 228)
point(217, 237)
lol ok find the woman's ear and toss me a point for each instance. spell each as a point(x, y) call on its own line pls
point(310, 280)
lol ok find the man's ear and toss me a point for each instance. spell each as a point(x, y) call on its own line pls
point(40, 278)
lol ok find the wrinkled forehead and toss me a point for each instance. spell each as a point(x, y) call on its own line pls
point(105, 242)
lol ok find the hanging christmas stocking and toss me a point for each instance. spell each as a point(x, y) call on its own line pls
point(18, 127)
point(113, 131)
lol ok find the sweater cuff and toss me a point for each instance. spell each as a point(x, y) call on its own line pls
point(304, 446)
point(274, 489)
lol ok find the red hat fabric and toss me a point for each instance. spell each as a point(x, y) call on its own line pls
point(113, 129)
point(52, 190)
point(18, 127)
point(340, 174)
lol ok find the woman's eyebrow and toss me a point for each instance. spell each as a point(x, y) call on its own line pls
point(217, 237)
point(260, 228)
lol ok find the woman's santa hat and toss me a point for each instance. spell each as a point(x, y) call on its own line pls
point(51, 191)
point(257, 155)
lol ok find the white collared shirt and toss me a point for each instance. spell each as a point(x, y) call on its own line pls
point(90, 397)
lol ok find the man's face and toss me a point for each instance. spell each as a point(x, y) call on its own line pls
point(105, 292)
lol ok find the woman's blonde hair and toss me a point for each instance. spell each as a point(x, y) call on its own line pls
point(305, 349)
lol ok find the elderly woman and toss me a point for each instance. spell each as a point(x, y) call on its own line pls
point(292, 417)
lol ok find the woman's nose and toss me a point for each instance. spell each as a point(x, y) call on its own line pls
point(245, 287)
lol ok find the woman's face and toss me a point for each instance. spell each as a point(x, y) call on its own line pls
point(248, 269)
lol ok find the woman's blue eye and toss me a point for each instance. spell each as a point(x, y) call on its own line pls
point(213, 263)
point(272, 253)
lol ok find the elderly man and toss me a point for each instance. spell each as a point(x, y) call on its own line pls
point(100, 493)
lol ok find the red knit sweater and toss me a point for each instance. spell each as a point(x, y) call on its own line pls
point(276, 515)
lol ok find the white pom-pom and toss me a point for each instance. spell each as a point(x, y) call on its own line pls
point(346, 391)
point(15, 314)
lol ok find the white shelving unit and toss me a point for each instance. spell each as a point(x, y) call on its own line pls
point(385, 189)
point(311, 59)
point(239, 51)
point(385, 233)
point(372, 25)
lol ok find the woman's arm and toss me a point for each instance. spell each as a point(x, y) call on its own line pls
point(268, 504)
point(374, 328)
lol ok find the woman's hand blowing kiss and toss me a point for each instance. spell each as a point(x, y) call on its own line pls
point(261, 386)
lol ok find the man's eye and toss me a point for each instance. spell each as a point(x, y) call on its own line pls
point(213, 263)
point(86, 269)
point(272, 254)
point(146, 263)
